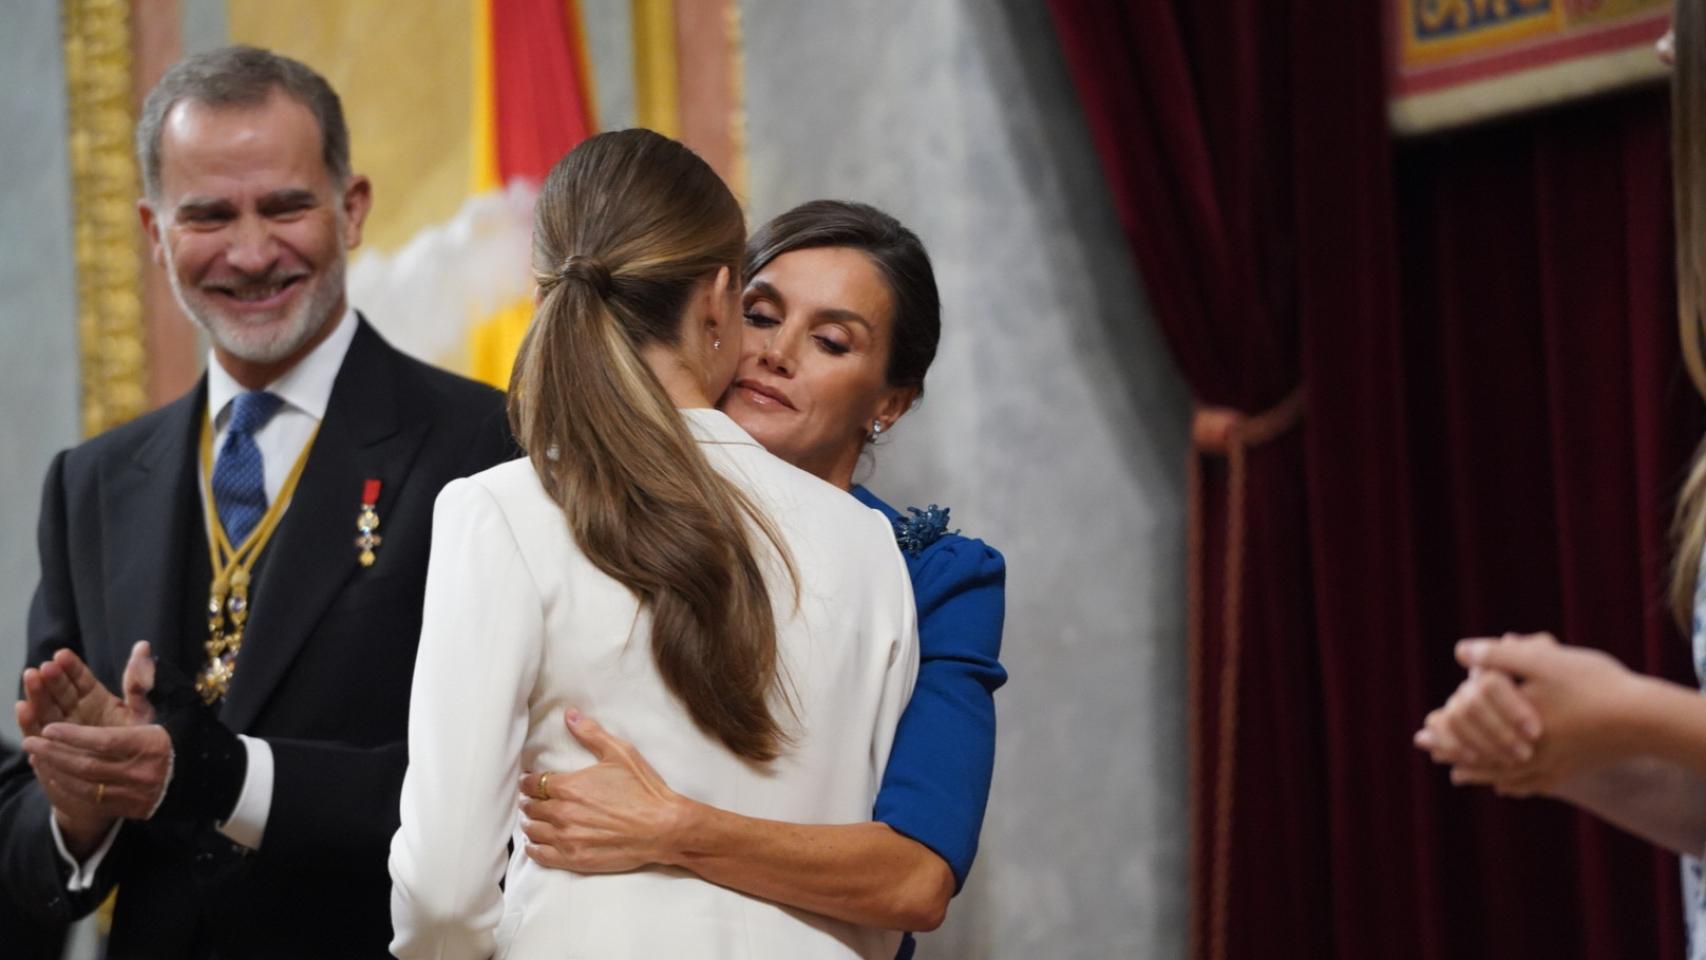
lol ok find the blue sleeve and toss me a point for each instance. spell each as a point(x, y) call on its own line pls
point(937, 781)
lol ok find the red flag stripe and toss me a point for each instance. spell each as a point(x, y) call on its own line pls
point(540, 113)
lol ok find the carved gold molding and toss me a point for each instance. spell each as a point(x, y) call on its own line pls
point(657, 95)
point(104, 188)
point(737, 102)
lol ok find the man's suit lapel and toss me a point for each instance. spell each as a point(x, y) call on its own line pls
point(149, 505)
point(313, 555)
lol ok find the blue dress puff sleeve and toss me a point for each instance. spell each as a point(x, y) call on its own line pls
point(936, 785)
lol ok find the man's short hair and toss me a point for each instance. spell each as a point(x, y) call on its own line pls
point(241, 76)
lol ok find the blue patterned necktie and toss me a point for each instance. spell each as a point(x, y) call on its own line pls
point(239, 483)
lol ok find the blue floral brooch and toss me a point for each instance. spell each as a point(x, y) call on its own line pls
point(923, 528)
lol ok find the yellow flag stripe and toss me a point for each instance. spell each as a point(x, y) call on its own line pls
point(494, 342)
point(484, 140)
point(656, 93)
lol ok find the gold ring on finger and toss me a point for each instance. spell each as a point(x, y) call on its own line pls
point(100, 793)
point(544, 786)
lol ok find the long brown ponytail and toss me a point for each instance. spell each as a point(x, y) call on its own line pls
point(626, 225)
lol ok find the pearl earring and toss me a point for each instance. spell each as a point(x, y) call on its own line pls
point(876, 429)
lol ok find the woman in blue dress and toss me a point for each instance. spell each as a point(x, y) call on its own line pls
point(842, 322)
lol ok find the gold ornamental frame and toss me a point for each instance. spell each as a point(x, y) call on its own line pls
point(104, 187)
point(738, 175)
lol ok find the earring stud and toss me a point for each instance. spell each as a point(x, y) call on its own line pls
point(876, 429)
point(716, 344)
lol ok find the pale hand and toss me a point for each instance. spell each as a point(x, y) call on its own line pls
point(1487, 723)
point(111, 771)
point(63, 690)
point(1580, 694)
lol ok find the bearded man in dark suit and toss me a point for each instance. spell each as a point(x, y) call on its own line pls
point(267, 533)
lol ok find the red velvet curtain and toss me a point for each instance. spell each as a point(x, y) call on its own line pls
point(1204, 132)
point(1546, 425)
point(1494, 423)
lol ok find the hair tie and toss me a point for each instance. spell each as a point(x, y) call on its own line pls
point(590, 271)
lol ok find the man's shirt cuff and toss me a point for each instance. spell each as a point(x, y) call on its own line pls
point(82, 874)
point(248, 820)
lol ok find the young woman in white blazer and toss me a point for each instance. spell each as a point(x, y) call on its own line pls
point(746, 625)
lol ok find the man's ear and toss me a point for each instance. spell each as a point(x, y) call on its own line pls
point(357, 200)
point(151, 229)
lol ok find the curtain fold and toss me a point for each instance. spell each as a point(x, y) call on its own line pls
point(1494, 423)
point(1191, 123)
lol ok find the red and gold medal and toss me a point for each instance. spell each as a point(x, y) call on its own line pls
point(367, 523)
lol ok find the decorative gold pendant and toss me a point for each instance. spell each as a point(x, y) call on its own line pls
point(367, 523)
point(215, 678)
point(221, 644)
point(227, 603)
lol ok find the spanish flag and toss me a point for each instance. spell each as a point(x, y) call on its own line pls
point(460, 291)
point(531, 106)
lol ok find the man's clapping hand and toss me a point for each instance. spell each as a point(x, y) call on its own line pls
point(65, 690)
point(97, 756)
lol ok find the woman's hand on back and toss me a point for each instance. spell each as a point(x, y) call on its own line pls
point(614, 816)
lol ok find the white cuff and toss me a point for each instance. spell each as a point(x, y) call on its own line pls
point(254, 804)
point(82, 874)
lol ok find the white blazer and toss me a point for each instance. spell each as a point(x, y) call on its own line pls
point(520, 625)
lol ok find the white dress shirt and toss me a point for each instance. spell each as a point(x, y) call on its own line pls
point(519, 625)
point(306, 389)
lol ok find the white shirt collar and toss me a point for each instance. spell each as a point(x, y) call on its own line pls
point(306, 386)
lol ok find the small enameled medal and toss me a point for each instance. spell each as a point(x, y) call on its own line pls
point(367, 523)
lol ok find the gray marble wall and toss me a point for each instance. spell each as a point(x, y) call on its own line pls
point(204, 25)
point(609, 27)
point(38, 303)
point(1054, 426)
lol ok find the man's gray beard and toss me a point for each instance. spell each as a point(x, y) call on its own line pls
point(306, 320)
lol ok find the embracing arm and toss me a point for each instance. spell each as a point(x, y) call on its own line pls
point(861, 873)
point(619, 815)
point(936, 785)
point(896, 873)
point(467, 724)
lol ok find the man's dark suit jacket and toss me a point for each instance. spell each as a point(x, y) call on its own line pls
point(23, 936)
point(323, 676)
